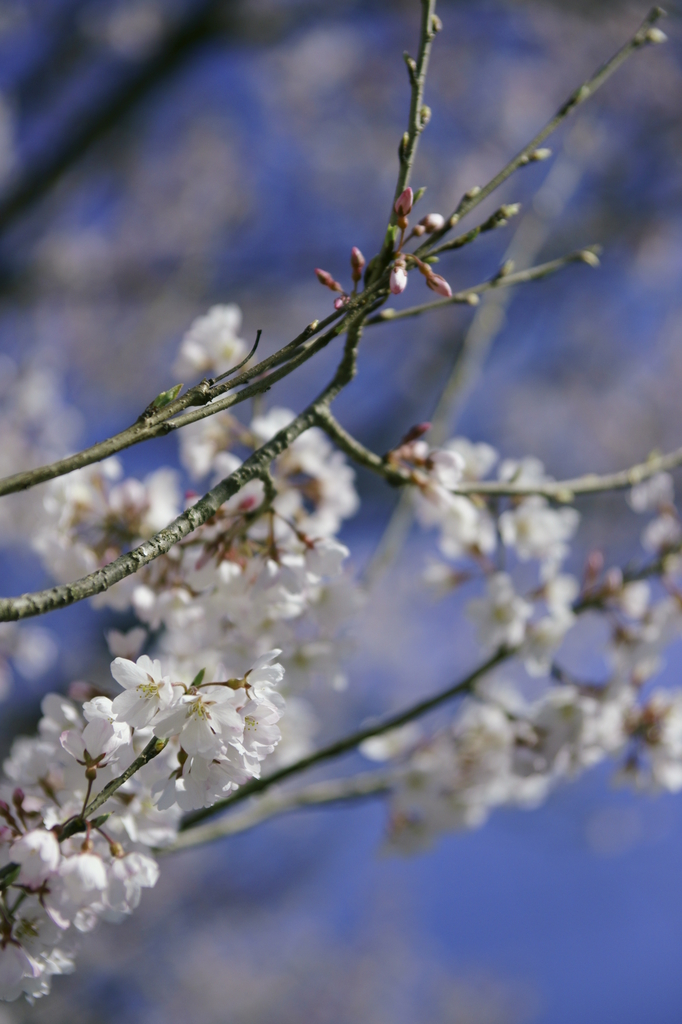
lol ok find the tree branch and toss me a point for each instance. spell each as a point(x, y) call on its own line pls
point(555, 490)
point(350, 742)
point(42, 601)
point(356, 451)
point(155, 423)
point(318, 794)
point(587, 89)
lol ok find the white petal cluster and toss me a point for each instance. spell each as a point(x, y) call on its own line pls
point(663, 533)
point(528, 529)
point(503, 751)
point(93, 515)
point(217, 736)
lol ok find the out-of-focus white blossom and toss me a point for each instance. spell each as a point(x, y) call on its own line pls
point(212, 344)
point(501, 615)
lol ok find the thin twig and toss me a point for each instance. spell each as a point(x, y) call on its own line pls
point(585, 255)
point(587, 89)
point(418, 119)
point(77, 824)
point(319, 794)
point(356, 451)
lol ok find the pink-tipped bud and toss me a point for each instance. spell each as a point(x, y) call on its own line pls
point(432, 222)
point(438, 284)
point(341, 302)
point(327, 280)
point(398, 279)
point(415, 432)
point(357, 262)
point(403, 203)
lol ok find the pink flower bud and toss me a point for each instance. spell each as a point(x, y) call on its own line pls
point(438, 284)
point(398, 279)
point(403, 203)
point(357, 262)
point(327, 280)
point(432, 222)
point(415, 432)
point(341, 302)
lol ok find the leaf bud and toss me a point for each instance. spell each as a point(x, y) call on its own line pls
point(166, 397)
point(472, 192)
point(655, 35)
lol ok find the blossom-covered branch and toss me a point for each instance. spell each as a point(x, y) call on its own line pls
point(125, 565)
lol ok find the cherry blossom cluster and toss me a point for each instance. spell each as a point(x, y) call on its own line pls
point(266, 571)
point(507, 747)
point(62, 867)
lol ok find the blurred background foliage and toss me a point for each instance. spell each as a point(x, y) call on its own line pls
point(159, 156)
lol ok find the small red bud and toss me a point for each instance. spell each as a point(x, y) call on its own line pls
point(327, 280)
point(415, 432)
point(438, 284)
point(18, 797)
point(357, 262)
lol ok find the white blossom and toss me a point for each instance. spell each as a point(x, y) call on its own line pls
point(212, 343)
point(502, 615)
